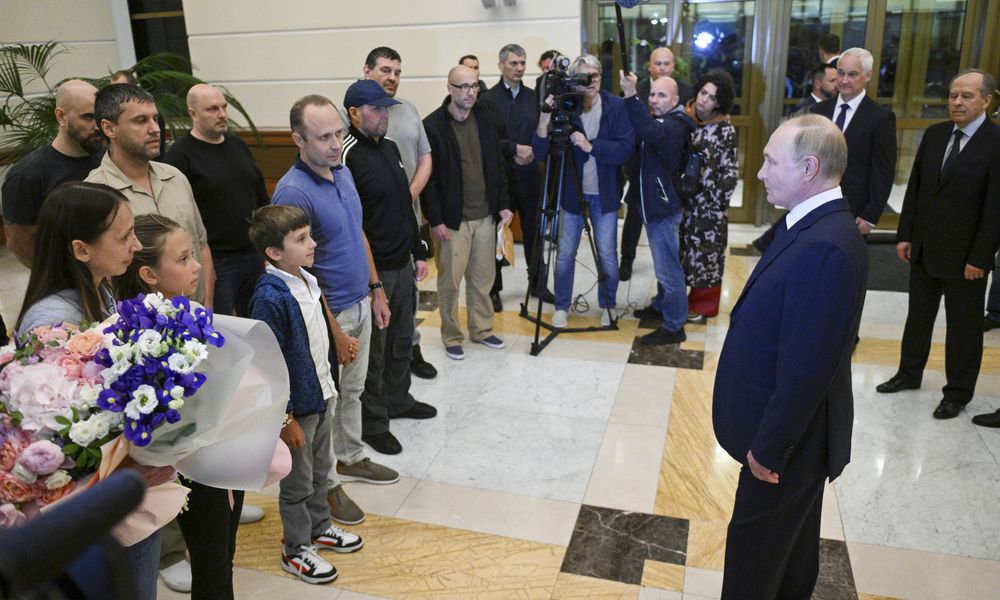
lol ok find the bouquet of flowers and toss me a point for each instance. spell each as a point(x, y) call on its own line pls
point(68, 390)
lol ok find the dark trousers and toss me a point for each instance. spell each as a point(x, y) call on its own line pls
point(772, 545)
point(631, 230)
point(992, 298)
point(387, 385)
point(963, 350)
point(235, 278)
point(767, 238)
point(209, 527)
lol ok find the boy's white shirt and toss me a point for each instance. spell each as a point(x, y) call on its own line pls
point(306, 292)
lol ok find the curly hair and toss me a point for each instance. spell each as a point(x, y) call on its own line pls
point(725, 89)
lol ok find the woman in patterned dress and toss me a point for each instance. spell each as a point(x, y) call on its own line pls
point(705, 224)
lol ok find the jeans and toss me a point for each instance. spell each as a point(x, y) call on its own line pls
point(235, 278)
point(145, 559)
point(605, 231)
point(671, 295)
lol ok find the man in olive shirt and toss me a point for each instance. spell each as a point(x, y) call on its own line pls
point(126, 115)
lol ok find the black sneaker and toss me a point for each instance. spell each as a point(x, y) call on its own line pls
point(308, 565)
point(383, 443)
point(338, 540)
point(419, 410)
point(420, 367)
point(662, 337)
point(647, 314)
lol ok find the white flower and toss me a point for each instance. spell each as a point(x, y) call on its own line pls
point(150, 343)
point(83, 433)
point(180, 363)
point(122, 354)
point(154, 301)
point(195, 351)
point(22, 473)
point(88, 395)
point(57, 480)
point(177, 392)
point(143, 402)
point(175, 404)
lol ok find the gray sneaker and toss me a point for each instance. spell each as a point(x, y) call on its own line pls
point(342, 508)
point(367, 471)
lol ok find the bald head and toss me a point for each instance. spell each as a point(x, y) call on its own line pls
point(462, 88)
point(207, 107)
point(78, 134)
point(460, 71)
point(663, 96)
point(661, 63)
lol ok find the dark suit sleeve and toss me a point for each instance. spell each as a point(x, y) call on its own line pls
point(984, 246)
point(816, 325)
point(883, 158)
point(907, 216)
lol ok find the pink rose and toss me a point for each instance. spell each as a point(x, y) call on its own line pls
point(86, 344)
point(10, 516)
point(48, 334)
point(9, 453)
point(14, 490)
point(91, 372)
point(52, 354)
point(42, 457)
point(71, 365)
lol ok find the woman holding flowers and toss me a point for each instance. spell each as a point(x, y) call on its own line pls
point(85, 237)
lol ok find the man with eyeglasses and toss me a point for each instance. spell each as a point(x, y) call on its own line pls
point(464, 199)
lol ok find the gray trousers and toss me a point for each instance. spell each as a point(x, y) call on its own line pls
point(302, 499)
point(355, 321)
point(387, 387)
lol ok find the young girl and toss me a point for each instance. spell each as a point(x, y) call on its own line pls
point(166, 264)
point(85, 237)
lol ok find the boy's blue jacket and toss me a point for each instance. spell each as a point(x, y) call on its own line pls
point(273, 303)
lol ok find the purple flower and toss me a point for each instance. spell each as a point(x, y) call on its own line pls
point(42, 457)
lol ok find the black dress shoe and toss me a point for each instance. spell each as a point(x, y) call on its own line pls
point(420, 367)
point(625, 270)
point(648, 314)
point(988, 420)
point(662, 337)
point(546, 296)
point(948, 409)
point(897, 383)
point(383, 443)
point(419, 410)
point(497, 302)
point(990, 324)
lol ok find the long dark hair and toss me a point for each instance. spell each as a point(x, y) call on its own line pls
point(725, 89)
point(152, 230)
point(73, 211)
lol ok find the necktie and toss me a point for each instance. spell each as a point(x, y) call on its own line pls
point(953, 154)
point(842, 117)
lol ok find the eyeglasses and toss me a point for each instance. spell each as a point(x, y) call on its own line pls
point(466, 87)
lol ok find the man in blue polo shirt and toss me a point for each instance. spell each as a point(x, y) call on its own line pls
point(318, 184)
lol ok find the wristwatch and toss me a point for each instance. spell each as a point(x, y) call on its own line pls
point(374, 286)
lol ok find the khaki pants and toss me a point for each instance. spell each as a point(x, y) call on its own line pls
point(471, 253)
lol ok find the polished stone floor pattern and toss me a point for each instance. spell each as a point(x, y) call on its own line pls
point(591, 471)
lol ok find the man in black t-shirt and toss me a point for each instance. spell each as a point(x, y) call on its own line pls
point(75, 151)
point(228, 186)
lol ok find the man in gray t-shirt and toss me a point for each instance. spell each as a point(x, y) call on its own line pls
point(383, 64)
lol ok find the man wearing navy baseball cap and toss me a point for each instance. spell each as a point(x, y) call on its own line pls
point(391, 229)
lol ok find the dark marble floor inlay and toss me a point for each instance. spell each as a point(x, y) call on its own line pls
point(428, 300)
point(836, 579)
point(670, 355)
point(614, 544)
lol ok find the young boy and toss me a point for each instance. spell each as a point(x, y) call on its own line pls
point(289, 300)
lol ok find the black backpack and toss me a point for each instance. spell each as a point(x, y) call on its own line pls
point(688, 180)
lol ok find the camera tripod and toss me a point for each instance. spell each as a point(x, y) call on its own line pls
point(548, 223)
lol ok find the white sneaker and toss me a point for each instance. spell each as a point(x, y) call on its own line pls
point(559, 319)
point(251, 514)
point(177, 577)
point(309, 565)
point(605, 318)
point(338, 540)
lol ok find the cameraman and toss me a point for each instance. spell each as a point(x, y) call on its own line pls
point(602, 141)
point(662, 140)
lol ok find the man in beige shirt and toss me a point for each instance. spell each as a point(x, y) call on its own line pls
point(126, 115)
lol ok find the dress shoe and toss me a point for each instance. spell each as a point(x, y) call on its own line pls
point(625, 270)
point(419, 410)
point(990, 324)
point(546, 296)
point(648, 314)
point(897, 383)
point(497, 302)
point(420, 367)
point(988, 420)
point(383, 443)
point(948, 409)
point(663, 337)
point(696, 319)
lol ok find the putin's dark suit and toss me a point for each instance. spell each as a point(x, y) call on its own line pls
point(783, 390)
point(951, 218)
point(871, 155)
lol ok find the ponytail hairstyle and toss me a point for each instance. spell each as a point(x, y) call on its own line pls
point(152, 230)
point(72, 211)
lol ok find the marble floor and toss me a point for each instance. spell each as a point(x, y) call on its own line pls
point(591, 471)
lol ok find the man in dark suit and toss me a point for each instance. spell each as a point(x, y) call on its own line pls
point(783, 405)
point(949, 231)
point(824, 86)
point(870, 131)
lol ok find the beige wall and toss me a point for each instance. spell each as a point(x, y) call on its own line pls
point(84, 27)
point(269, 54)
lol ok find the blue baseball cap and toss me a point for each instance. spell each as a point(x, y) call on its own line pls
point(367, 91)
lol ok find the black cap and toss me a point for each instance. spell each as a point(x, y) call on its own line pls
point(367, 91)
